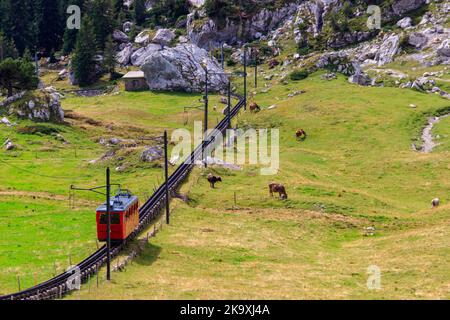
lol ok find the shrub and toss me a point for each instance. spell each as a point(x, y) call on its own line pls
point(299, 75)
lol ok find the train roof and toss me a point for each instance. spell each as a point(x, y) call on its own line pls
point(119, 203)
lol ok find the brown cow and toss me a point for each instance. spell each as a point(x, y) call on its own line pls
point(213, 180)
point(254, 107)
point(301, 134)
point(276, 187)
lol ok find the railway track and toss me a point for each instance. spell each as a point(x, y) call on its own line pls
point(57, 287)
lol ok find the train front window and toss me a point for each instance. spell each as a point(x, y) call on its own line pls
point(115, 218)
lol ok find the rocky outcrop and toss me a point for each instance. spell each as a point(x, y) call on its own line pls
point(338, 62)
point(182, 69)
point(143, 38)
point(360, 78)
point(123, 57)
point(400, 7)
point(140, 55)
point(206, 33)
point(164, 37)
point(444, 49)
point(152, 154)
point(388, 49)
point(405, 23)
point(418, 40)
point(40, 105)
point(120, 36)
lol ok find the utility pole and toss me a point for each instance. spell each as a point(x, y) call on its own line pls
point(205, 156)
point(108, 215)
point(245, 77)
point(108, 225)
point(166, 173)
point(229, 105)
point(256, 67)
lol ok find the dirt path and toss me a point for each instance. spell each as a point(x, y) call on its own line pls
point(427, 136)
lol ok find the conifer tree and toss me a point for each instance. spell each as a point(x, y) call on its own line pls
point(139, 11)
point(109, 57)
point(83, 64)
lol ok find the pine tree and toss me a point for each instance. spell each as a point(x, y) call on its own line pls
point(48, 23)
point(83, 63)
point(16, 17)
point(17, 74)
point(118, 6)
point(109, 57)
point(140, 12)
point(103, 22)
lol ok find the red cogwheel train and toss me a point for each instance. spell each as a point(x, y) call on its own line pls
point(124, 211)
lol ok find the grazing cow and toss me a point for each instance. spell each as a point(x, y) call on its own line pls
point(301, 134)
point(276, 187)
point(435, 202)
point(213, 180)
point(254, 107)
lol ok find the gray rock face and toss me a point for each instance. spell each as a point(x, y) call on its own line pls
point(123, 57)
point(208, 34)
point(120, 36)
point(182, 69)
point(402, 6)
point(339, 62)
point(344, 39)
point(143, 38)
point(152, 154)
point(164, 37)
point(405, 23)
point(418, 40)
point(360, 78)
point(444, 48)
point(139, 56)
point(388, 49)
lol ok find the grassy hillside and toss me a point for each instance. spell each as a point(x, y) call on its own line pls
point(355, 170)
point(40, 231)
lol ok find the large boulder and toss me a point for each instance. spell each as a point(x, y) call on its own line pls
point(402, 6)
point(120, 36)
point(139, 56)
point(417, 40)
point(360, 78)
point(152, 154)
point(182, 69)
point(405, 23)
point(164, 37)
point(143, 38)
point(123, 57)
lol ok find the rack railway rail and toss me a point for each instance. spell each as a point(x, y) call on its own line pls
point(57, 287)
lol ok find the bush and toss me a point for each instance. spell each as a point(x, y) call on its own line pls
point(37, 129)
point(299, 75)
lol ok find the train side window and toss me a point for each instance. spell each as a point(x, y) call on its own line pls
point(115, 218)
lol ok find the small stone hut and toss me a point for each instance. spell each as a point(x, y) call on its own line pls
point(135, 81)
